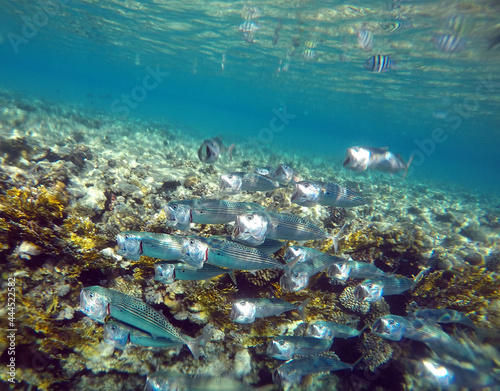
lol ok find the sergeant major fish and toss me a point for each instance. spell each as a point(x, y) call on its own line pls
point(379, 63)
point(377, 159)
point(365, 40)
point(247, 310)
point(211, 149)
point(98, 303)
point(309, 193)
point(180, 214)
point(294, 370)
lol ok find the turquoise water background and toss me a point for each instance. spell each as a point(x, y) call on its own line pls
point(90, 53)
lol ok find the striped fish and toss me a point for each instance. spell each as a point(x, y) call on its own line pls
point(309, 193)
point(449, 43)
point(248, 27)
point(223, 253)
point(379, 63)
point(365, 40)
point(253, 228)
point(133, 244)
point(310, 55)
point(168, 272)
point(205, 211)
point(98, 302)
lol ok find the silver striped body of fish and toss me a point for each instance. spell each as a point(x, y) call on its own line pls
point(133, 244)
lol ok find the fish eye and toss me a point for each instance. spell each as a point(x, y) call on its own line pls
point(250, 217)
point(91, 295)
point(174, 206)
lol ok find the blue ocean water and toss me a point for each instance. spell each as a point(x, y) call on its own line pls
point(90, 54)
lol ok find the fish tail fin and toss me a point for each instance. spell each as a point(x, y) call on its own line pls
point(335, 238)
point(232, 275)
point(419, 276)
point(230, 151)
point(302, 307)
point(196, 343)
point(408, 165)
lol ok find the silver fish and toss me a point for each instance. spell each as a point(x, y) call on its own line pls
point(443, 315)
point(180, 214)
point(373, 290)
point(269, 247)
point(236, 182)
point(301, 253)
point(253, 228)
point(330, 330)
point(293, 370)
point(175, 381)
point(264, 171)
point(297, 277)
point(309, 193)
point(446, 375)
point(283, 174)
point(379, 63)
point(198, 251)
point(285, 348)
point(120, 334)
point(377, 159)
point(167, 273)
point(394, 328)
point(247, 310)
point(341, 271)
point(133, 244)
point(98, 302)
point(211, 149)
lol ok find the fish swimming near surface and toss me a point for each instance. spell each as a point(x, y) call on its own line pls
point(253, 228)
point(180, 214)
point(376, 159)
point(120, 335)
point(248, 27)
point(247, 310)
point(211, 149)
point(396, 27)
point(285, 348)
point(309, 193)
point(449, 43)
point(98, 303)
point(133, 244)
point(365, 40)
point(176, 381)
point(379, 63)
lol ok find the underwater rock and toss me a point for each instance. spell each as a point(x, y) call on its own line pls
point(94, 199)
point(474, 258)
point(349, 301)
point(26, 250)
point(447, 217)
point(376, 351)
point(474, 232)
